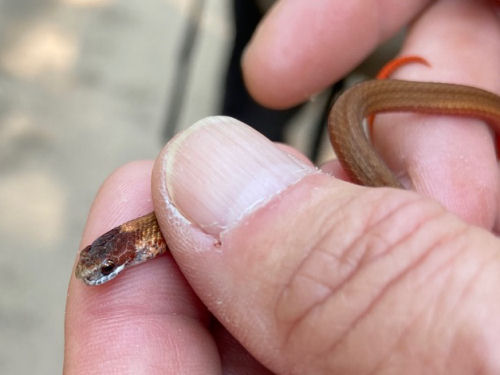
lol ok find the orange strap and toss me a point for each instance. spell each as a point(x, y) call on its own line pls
point(390, 68)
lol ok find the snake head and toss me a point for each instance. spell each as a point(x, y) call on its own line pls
point(104, 259)
point(131, 243)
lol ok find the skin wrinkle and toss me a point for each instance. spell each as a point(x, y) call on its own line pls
point(375, 209)
point(298, 275)
point(454, 237)
point(455, 255)
point(294, 276)
point(399, 243)
point(453, 258)
point(315, 249)
point(388, 214)
point(335, 289)
point(443, 293)
point(469, 285)
point(309, 252)
point(405, 332)
point(384, 218)
point(343, 258)
point(398, 276)
point(391, 283)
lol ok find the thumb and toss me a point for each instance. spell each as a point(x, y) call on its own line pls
point(315, 275)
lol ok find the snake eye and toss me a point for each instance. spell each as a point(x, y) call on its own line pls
point(107, 267)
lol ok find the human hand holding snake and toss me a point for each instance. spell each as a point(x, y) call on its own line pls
point(357, 274)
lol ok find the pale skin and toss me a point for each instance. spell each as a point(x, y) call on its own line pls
point(327, 277)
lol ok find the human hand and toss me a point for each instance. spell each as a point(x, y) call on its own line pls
point(325, 277)
point(302, 47)
point(310, 274)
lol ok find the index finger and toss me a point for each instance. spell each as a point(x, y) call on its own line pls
point(301, 47)
point(452, 159)
point(148, 320)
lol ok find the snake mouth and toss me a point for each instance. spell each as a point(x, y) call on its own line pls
point(99, 278)
point(96, 276)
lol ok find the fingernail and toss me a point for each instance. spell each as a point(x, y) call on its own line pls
point(220, 170)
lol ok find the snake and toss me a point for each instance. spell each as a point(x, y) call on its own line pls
point(139, 240)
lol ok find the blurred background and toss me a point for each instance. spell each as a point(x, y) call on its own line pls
point(86, 86)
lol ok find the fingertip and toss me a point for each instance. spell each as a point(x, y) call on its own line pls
point(124, 195)
point(302, 47)
point(146, 318)
point(452, 159)
point(288, 59)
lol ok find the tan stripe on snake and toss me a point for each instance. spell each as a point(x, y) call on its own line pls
point(139, 240)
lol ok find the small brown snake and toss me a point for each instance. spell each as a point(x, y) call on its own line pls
point(140, 239)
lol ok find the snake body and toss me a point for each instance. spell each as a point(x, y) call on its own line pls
point(140, 239)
